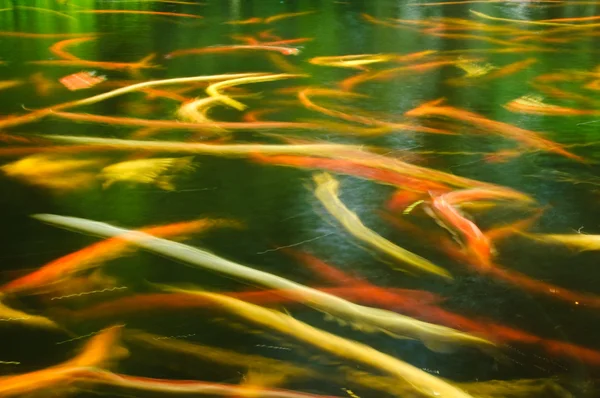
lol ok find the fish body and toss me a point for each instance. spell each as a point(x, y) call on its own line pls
point(327, 193)
point(155, 171)
point(477, 243)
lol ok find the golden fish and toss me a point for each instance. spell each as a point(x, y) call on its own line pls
point(53, 172)
point(327, 193)
point(358, 61)
point(421, 381)
point(157, 171)
point(435, 337)
point(474, 69)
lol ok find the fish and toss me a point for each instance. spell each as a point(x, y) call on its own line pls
point(156, 171)
point(533, 105)
point(214, 90)
point(433, 336)
point(477, 243)
point(279, 17)
point(98, 351)
point(212, 127)
point(355, 61)
point(101, 252)
point(488, 328)
point(136, 383)
point(58, 173)
point(140, 12)
point(355, 153)
point(327, 192)
point(421, 381)
point(236, 47)
point(385, 296)
point(305, 94)
point(145, 305)
point(58, 48)
point(580, 241)
point(356, 169)
point(144, 63)
point(527, 137)
point(10, 315)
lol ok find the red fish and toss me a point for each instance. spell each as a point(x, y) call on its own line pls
point(346, 166)
point(477, 244)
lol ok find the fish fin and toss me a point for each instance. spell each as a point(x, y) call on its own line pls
point(439, 347)
point(165, 185)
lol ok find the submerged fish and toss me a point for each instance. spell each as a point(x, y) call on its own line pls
point(421, 381)
point(327, 193)
point(357, 61)
point(54, 172)
point(97, 352)
point(433, 336)
point(155, 171)
point(580, 242)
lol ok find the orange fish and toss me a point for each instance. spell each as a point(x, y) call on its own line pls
point(529, 138)
point(240, 47)
point(534, 106)
point(98, 253)
point(477, 244)
point(97, 352)
point(136, 383)
point(355, 168)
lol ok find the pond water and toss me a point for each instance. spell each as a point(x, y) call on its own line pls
point(437, 160)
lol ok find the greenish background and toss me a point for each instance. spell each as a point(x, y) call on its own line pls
point(276, 203)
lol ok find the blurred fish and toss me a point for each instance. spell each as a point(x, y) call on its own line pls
point(236, 47)
point(135, 383)
point(214, 90)
point(529, 138)
point(154, 171)
point(6, 84)
point(422, 382)
point(327, 192)
point(54, 172)
point(357, 61)
point(580, 241)
point(279, 17)
point(434, 337)
point(350, 167)
point(91, 256)
point(97, 352)
point(58, 48)
point(249, 21)
point(473, 69)
point(478, 245)
point(534, 105)
point(9, 316)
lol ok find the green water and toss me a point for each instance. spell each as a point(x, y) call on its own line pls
point(277, 205)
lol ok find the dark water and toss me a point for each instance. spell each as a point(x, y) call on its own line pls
point(277, 205)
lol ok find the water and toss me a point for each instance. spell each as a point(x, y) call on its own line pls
point(277, 206)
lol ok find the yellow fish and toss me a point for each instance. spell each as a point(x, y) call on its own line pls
point(54, 172)
point(157, 171)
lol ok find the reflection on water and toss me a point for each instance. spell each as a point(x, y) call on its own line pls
point(329, 198)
